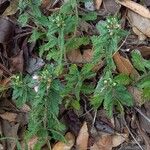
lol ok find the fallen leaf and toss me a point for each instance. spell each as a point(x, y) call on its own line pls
point(82, 139)
point(9, 116)
point(97, 4)
point(111, 7)
point(3, 5)
point(17, 63)
point(140, 35)
point(10, 130)
point(103, 143)
point(141, 23)
point(32, 142)
point(137, 95)
point(6, 30)
point(89, 5)
point(45, 3)
point(124, 65)
point(145, 51)
point(141, 10)
point(34, 64)
point(107, 141)
point(65, 146)
point(144, 123)
point(118, 139)
point(75, 56)
point(12, 9)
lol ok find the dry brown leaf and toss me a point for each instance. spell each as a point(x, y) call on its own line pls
point(118, 139)
point(65, 146)
point(141, 23)
point(12, 9)
point(45, 3)
point(137, 95)
point(107, 141)
point(103, 143)
point(82, 139)
point(124, 65)
point(11, 117)
point(141, 10)
point(26, 108)
point(111, 6)
point(75, 56)
point(97, 4)
point(32, 142)
point(145, 51)
point(140, 35)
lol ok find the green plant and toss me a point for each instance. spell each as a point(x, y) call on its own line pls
point(143, 66)
point(109, 92)
point(75, 83)
point(45, 103)
point(57, 34)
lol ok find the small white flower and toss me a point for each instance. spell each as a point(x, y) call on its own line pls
point(105, 81)
point(35, 77)
point(36, 88)
point(114, 84)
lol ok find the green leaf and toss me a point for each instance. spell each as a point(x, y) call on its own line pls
point(35, 36)
point(76, 42)
point(137, 60)
point(122, 79)
point(23, 19)
point(89, 16)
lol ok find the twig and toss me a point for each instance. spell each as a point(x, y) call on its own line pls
point(94, 118)
point(142, 114)
point(132, 134)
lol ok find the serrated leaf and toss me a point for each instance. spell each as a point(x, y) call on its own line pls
point(76, 42)
point(137, 60)
point(122, 79)
point(90, 16)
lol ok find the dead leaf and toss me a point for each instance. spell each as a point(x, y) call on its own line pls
point(141, 23)
point(118, 139)
point(12, 9)
point(32, 142)
point(111, 7)
point(10, 130)
point(75, 56)
point(65, 146)
point(17, 63)
point(6, 30)
point(97, 4)
point(9, 116)
point(103, 143)
point(82, 139)
point(140, 35)
point(141, 10)
point(145, 51)
point(107, 141)
point(45, 3)
point(3, 5)
point(124, 65)
point(137, 95)
point(87, 55)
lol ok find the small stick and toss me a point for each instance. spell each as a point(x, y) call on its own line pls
point(132, 134)
point(142, 114)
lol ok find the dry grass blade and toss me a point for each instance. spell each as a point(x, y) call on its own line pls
point(141, 10)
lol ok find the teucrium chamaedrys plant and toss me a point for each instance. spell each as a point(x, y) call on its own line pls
point(108, 92)
point(43, 120)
